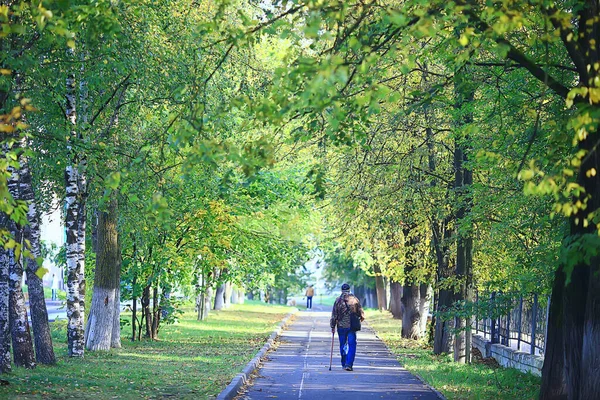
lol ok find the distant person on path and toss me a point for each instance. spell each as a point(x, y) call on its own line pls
point(310, 292)
point(340, 315)
point(54, 287)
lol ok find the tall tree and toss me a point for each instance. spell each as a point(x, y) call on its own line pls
point(105, 309)
point(463, 179)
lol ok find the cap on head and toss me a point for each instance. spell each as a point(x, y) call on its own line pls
point(345, 287)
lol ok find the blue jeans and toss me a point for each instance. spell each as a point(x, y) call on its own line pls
point(308, 301)
point(347, 346)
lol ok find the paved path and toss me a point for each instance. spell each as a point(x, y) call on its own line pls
point(298, 368)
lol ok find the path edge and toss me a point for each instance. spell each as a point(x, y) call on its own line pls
point(242, 378)
point(434, 390)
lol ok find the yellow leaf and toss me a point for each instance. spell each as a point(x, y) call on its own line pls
point(526, 175)
point(590, 172)
point(71, 43)
point(41, 272)
point(5, 71)
point(6, 128)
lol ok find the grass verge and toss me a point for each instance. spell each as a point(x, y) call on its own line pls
point(476, 381)
point(192, 360)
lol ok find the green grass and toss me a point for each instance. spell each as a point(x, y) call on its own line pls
point(192, 359)
point(62, 295)
point(466, 382)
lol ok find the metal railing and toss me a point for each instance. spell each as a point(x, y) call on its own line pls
point(520, 323)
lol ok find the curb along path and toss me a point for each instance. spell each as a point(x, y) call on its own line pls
point(298, 368)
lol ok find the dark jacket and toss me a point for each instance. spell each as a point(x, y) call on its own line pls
point(340, 315)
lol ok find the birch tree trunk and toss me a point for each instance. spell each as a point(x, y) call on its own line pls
point(73, 207)
point(5, 364)
point(81, 227)
point(105, 299)
point(22, 344)
point(44, 350)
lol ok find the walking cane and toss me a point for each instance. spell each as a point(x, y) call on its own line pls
point(331, 357)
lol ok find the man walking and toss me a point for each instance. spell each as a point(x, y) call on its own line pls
point(54, 287)
point(310, 292)
point(344, 305)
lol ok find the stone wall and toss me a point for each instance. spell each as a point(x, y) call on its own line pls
point(509, 357)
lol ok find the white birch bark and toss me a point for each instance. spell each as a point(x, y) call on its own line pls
point(44, 350)
point(23, 353)
point(22, 345)
point(5, 364)
point(75, 313)
point(81, 227)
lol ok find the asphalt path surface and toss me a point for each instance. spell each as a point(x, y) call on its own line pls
point(298, 367)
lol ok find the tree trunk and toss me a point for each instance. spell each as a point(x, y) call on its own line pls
point(75, 313)
point(442, 341)
point(44, 351)
point(590, 362)
point(553, 379)
point(380, 287)
point(411, 317)
point(208, 301)
point(235, 296)
point(426, 292)
point(580, 306)
point(155, 313)
point(81, 226)
point(146, 311)
point(22, 345)
point(105, 310)
point(371, 297)
point(5, 363)
point(396, 299)
point(463, 178)
point(227, 294)
point(115, 340)
point(574, 320)
point(219, 299)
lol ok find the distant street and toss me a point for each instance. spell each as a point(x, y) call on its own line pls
point(56, 309)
